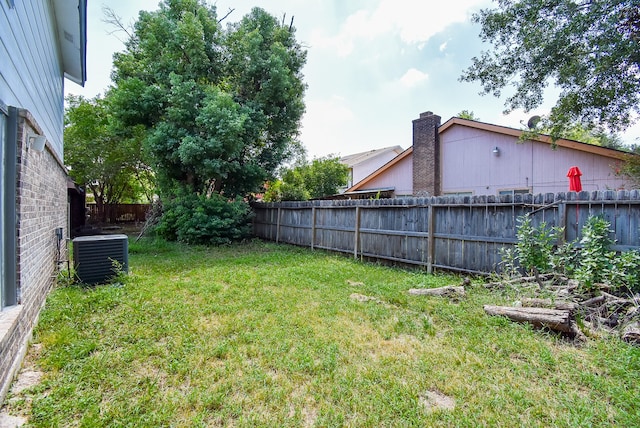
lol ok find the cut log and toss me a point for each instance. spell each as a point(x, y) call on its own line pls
point(555, 319)
point(449, 290)
point(547, 303)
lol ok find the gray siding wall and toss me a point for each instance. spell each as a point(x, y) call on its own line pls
point(469, 165)
point(30, 66)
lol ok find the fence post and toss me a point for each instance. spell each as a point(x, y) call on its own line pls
point(430, 238)
point(357, 233)
point(278, 225)
point(313, 226)
point(562, 213)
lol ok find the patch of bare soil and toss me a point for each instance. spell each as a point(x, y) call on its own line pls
point(8, 421)
point(28, 377)
point(432, 401)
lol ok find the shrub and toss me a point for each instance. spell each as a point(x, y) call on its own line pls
point(534, 248)
point(596, 260)
point(565, 259)
point(508, 262)
point(209, 220)
point(624, 271)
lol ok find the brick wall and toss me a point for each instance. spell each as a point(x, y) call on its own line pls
point(42, 207)
point(426, 155)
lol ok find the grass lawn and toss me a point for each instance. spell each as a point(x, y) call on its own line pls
point(267, 335)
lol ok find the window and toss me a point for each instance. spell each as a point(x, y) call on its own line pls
point(458, 193)
point(8, 136)
point(514, 192)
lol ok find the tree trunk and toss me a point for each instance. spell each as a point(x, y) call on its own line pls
point(100, 208)
point(555, 319)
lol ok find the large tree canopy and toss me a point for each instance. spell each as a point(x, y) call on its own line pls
point(222, 106)
point(104, 157)
point(588, 49)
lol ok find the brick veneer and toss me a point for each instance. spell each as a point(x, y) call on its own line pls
point(426, 155)
point(41, 204)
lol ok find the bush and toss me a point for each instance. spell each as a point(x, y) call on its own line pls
point(565, 259)
point(594, 262)
point(625, 271)
point(595, 258)
point(209, 220)
point(534, 248)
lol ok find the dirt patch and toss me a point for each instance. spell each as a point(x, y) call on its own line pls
point(8, 421)
point(432, 401)
point(362, 298)
point(26, 379)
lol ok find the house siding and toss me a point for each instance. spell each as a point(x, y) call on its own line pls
point(30, 70)
point(469, 164)
point(364, 168)
point(31, 84)
point(400, 178)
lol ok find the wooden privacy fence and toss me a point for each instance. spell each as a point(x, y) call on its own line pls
point(117, 213)
point(454, 233)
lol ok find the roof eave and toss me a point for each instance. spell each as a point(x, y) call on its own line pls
point(561, 142)
point(71, 24)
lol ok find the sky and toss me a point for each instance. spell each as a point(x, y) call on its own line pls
point(372, 66)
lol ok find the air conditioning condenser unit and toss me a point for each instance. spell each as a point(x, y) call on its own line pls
point(98, 258)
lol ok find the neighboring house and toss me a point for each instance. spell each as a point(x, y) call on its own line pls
point(466, 157)
point(41, 43)
point(362, 164)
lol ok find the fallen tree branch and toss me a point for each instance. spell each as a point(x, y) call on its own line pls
point(594, 301)
point(555, 319)
point(547, 303)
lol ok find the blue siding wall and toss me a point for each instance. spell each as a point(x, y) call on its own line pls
point(31, 75)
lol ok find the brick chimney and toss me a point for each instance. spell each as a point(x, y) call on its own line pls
point(426, 155)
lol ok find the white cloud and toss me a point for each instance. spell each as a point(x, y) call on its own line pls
point(415, 23)
point(413, 77)
point(443, 47)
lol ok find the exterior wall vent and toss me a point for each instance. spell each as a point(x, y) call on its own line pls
point(94, 257)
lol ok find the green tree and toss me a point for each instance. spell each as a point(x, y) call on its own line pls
point(631, 166)
point(589, 49)
point(222, 107)
point(325, 176)
point(101, 155)
point(290, 187)
point(467, 114)
point(578, 132)
point(308, 180)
